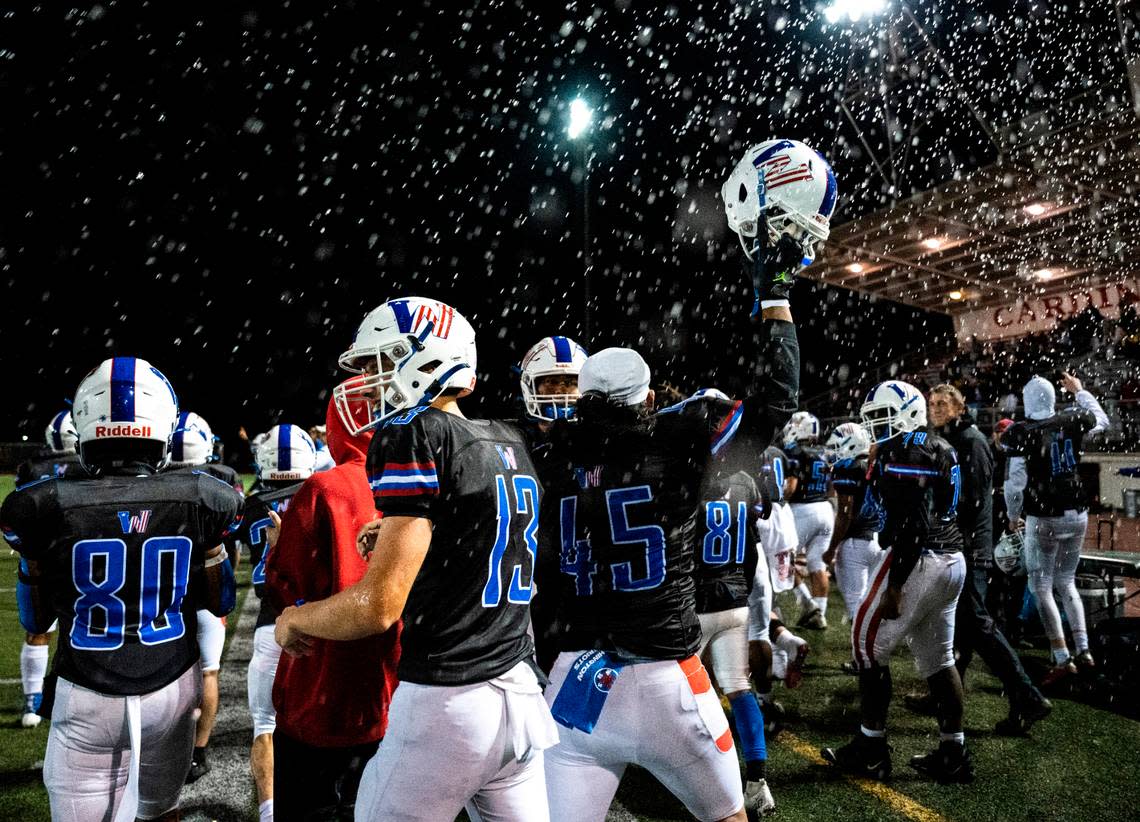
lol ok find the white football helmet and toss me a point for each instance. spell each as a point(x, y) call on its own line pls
point(891, 408)
point(192, 442)
point(407, 352)
point(848, 441)
point(801, 428)
point(287, 453)
point(124, 400)
point(787, 184)
point(1008, 554)
point(551, 357)
point(60, 434)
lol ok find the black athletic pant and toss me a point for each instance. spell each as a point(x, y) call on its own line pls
point(975, 631)
point(313, 784)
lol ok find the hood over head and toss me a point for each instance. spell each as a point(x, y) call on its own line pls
point(343, 446)
point(1040, 398)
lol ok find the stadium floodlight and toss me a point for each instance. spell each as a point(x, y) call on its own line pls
point(853, 10)
point(580, 118)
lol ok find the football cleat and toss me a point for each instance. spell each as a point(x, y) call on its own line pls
point(850, 667)
point(1085, 662)
point(950, 762)
point(1023, 713)
point(31, 717)
point(813, 619)
point(199, 767)
point(758, 799)
point(794, 674)
point(863, 756)
point(1058, 673)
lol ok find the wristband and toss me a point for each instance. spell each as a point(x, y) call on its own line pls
point(221, 557)
point(766, 304)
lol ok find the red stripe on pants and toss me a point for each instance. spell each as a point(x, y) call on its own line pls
point(872, 593)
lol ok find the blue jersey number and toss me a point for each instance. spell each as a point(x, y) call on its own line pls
point(720, 536)
point(818, 484)
point(1063, 458)
point(99, 569)
point(520, 589)
point(577, 554)
point(256, 537)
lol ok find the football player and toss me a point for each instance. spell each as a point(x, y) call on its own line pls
point(914, 591)
point(284, 460)
point(622, 486)
point(549, 380)
point(1045, 485)
point(192, 449)
point(726, 565)
point(58, 459)
point(855, 542)
point(319, 435)
point(455, 554)
point(119, 560)
point(815, 516)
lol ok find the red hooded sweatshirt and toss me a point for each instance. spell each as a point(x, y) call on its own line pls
point(339, 695)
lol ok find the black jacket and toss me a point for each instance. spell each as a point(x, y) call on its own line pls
point(975, 507)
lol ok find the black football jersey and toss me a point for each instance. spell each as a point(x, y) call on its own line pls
point(252, 533)
point(46, 465)
point(466, 617)
point(120, 558)
point(215, 469)
point(725, 546)
point(916, 480)
point(622, 511)
point(1052, 451)
point(849, 478)
point(812, 473)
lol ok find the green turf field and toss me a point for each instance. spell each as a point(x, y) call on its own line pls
point(1082, 763)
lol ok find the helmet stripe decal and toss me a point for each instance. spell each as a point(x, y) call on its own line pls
point(562, 351)
point(894, 386)
point(57, 431)
point(830, 192)
point(178, 438)
point(284, 452)
point(767, 154)
point(123, 389)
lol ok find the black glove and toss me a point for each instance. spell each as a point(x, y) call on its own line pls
point(773, 269)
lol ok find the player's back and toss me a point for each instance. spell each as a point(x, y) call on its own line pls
point(466, 617)
point(621, 505)
point(119, 555)
point(273, 496)
point(1052, 450)
point(810, 468)
point(917, 480)
point(849, 478)
point(47, 465)
point(724, 548)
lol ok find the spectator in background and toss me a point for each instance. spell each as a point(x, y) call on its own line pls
point(974, 628)
point(332, 705)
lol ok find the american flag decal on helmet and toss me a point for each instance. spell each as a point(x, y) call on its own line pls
point(411, 322)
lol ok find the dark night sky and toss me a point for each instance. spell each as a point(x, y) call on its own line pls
point(225, 193)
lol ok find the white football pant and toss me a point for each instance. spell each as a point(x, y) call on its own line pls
point(760, 602)
point(259, 680)
point(926, 614)
point(853, 563)
point(724, 634)
point(663, 716)
point(815, 522)
point(211, 639)
point(110, 755)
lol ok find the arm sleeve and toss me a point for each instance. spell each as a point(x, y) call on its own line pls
point(403, 470)
point(1089, 403)
point(18, 521)
point(223, 512)
point(977, 486)
point(777, 392)
point(1014, 488)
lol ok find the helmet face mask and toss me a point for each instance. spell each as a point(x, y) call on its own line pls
point(407, 352)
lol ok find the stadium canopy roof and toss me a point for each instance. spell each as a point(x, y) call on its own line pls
point(1057, 213)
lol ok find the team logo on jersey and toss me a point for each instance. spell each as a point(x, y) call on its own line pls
point(134, 523)
point(507, 455)
point(410, 322)
point(605, 679)
point(589, 477)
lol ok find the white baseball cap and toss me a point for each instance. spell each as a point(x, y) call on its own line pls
point(619, 373)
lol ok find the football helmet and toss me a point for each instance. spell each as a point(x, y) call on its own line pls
point(892, 407)
point(788, 185)
point(715, 393)
point(848, 441)
point(60, 434)
point(1008, 554)
point(192, 442)
point(287, 453)
point(801, 428)
point(550, 357)
point(407, 352)
point(122, 404)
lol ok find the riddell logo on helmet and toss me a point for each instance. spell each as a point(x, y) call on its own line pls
point(124, 429)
